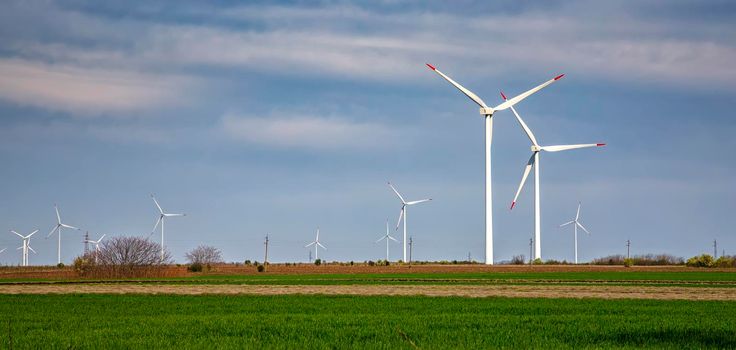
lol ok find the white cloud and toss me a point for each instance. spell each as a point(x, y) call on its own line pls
point(308, 132)
point(86, 90)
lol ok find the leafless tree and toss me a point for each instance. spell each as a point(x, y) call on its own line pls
point(204, 255)
point(131, 251)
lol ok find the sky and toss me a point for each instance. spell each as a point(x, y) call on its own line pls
point(281, 117)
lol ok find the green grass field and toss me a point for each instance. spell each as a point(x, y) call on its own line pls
point(304, 322)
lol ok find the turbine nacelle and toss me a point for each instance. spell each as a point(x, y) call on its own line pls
point(486, 111)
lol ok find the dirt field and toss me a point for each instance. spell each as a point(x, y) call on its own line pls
point(528, 291)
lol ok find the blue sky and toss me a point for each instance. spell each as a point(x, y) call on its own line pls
point(258, 118)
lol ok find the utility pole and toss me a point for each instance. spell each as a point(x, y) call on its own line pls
point(628, 248)
point(411, 242)
point(86, 242)
point(310, 255)
point(715, 249)
point(469, 260)
point(265, 258)
point(531, 246)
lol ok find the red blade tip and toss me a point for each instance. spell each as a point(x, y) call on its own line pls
point(600, 144)
point(559, 77)
point(431, 66)
point(504, 96)
point(512, 205)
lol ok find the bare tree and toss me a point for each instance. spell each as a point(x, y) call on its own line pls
point(124, 257)
point(204, 255)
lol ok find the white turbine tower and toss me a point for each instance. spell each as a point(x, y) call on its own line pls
point(57, 229)
point(26, 246)
point(97, 245)
point(487, 113)
point(387, 237)
point(402, 213)
point(577, 223)
point(316, 244)
point(160, 220)
point(534, 162)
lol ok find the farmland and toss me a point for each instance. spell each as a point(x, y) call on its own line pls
point(174, 321)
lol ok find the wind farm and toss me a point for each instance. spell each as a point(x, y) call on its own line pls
point(275, 140)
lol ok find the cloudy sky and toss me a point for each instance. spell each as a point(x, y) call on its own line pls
point(258, 118)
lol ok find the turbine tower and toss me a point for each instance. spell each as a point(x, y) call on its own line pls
point(577, 223)
point(25, 247)
point(97, 246)
point(387, 237)
point(534, 162)
point(57, 229)
point(161, 218)
point(487, 113)
point(316, 244)
point(402, 213)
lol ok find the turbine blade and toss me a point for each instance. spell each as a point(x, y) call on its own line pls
point(58, 217)
point(397, 193)
point(310, 244)
point(419, 201)
point(52, 230)
point(568, 223)
point(401, 215)
point(577, 216)
point(103, 236)
point(527, 169)
point(34, 252)
point(174, 215)
point(69, 226)
point(393, 239)
point(581, 226)
point(156, 226)
point(558, 148)
point(320, 244)
point(157, 205)
point(31, 234)
point(380, 239)
point(2, 250)
point(519, 98)
point(19, 235)
point(528, 131)
point(473, 97)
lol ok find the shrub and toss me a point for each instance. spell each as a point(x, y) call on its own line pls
point(84, 264)
point(260, 268)
point(537, 261)
point(247, 262)
point(371, 263)
point(318, 262)
point(704, 260)
point(725, 261)
point(204, 254)
point(195, 267)
point(60, 265)
point(628, 262)
point(518, 260)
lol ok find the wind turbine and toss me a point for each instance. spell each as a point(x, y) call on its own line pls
point(160, 220)
point(26, 246)
point(97, 245)
point(487, 113)
point(534, 162)
point(57, 229)
point(387, 237)
point(577, 223)
point(402, 213)
point(316, 244)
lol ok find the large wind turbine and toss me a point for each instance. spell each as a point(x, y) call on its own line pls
point(97, 245)
point(57, 229)
point(487, 113)
point(387, 237)
point(534, 162)
point(160, 220)
point(316, 243)
point(402, 213)
point(577, 223)
point(26, 245)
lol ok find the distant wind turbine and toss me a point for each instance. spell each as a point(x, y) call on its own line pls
point(316, 244)
point(534, 162)
point(577, 223)
point(160, 220)
point(26, 246)
point(97, 246)
point(57, 229)
point(387, 237)
point(487, 113)
point(402, 213)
